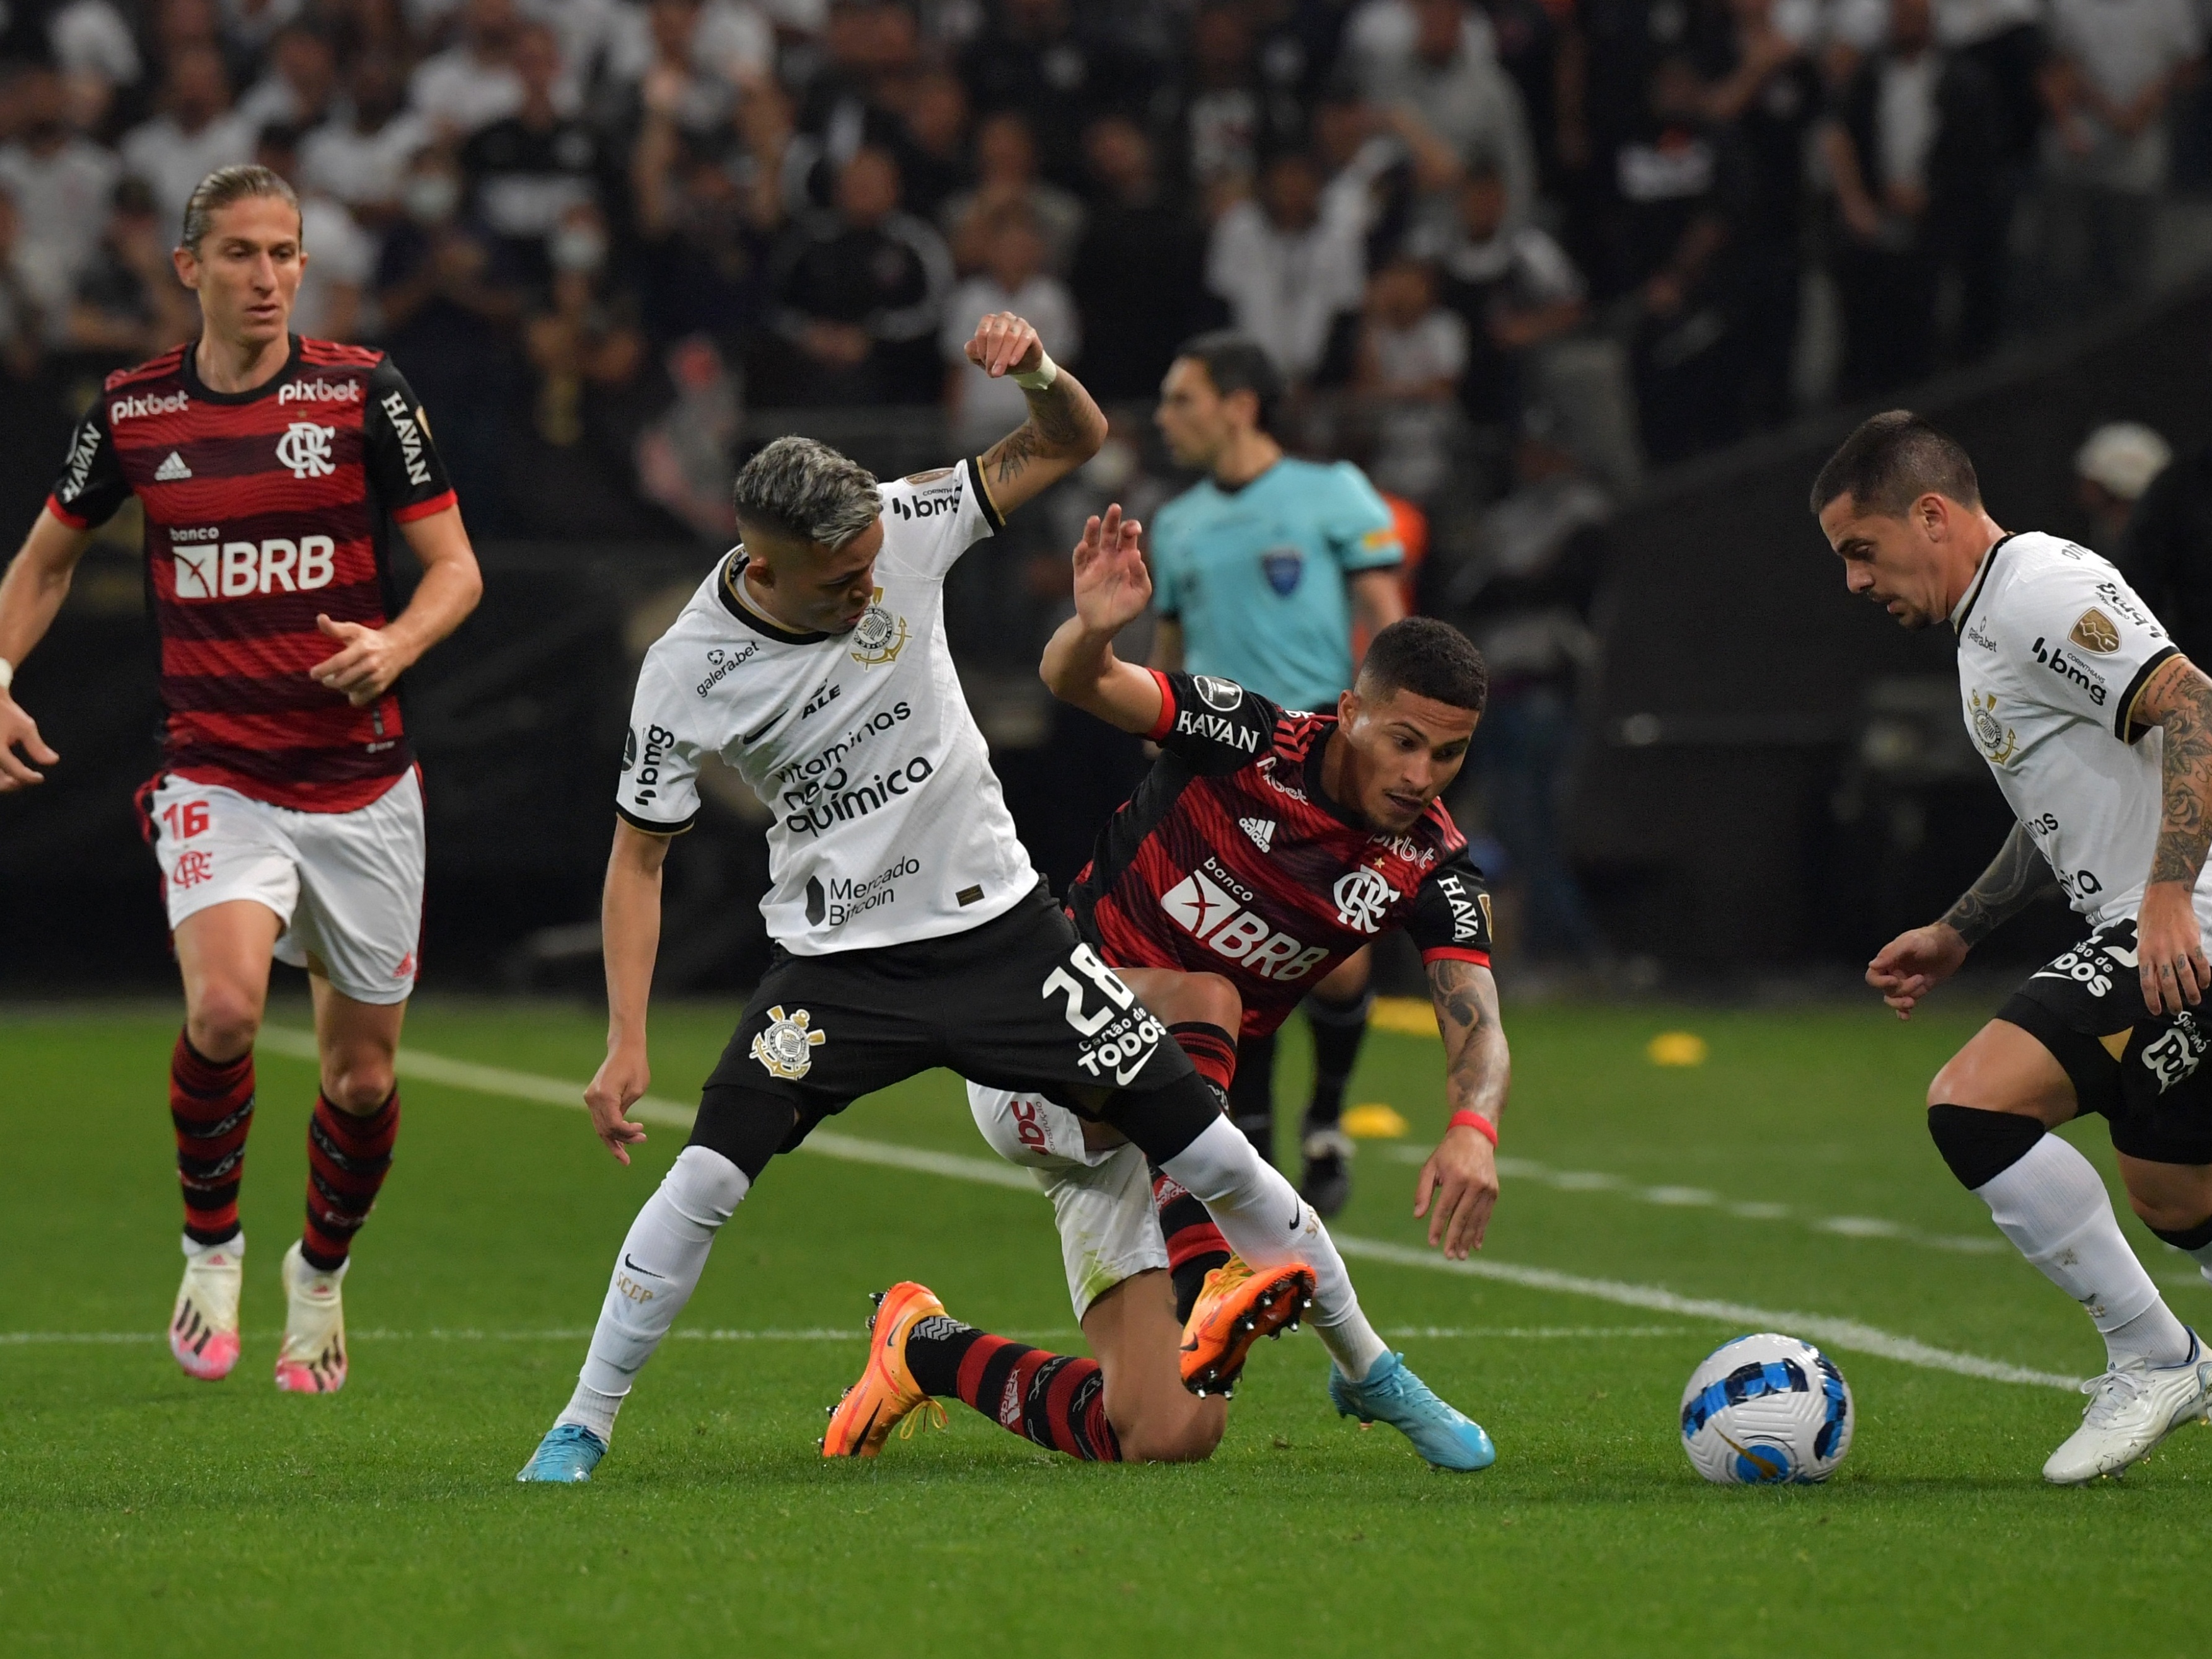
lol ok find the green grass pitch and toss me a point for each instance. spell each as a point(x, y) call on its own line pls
point(141, 1512)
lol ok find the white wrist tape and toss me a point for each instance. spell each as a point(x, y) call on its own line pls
point(7, 673)
point(1036, 379)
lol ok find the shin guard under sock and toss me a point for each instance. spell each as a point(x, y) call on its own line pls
point(347, 1158)
point(1057, 1401)
point(1195, 1247)
point(211, 1106)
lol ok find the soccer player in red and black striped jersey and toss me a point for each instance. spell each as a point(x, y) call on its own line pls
point(288, 816)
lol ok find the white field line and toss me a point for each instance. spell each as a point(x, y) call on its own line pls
point(1848, 1335)
point(857, 1335)
point(1683, 1197)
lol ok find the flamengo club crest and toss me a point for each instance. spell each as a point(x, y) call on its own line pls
point(880, 635)
point(786, 1047)
point(305, 448)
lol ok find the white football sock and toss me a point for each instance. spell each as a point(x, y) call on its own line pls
point(656, 1270)
point(1264, 1221)
point(234, 1245)
point(2053, 1206)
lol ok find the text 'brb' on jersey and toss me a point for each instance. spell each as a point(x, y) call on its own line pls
point(1230, 859)
point(889, 825)
point(2054, 649)
point(262, 510)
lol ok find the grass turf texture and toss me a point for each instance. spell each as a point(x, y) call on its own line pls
point(141, 1511)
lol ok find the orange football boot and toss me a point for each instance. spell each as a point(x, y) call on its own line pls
point(1235, 1309)
point(886, 1395)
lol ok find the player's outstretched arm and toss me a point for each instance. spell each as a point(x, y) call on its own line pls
point(1457, 1187)
point(370, 658)
point(1065, 427)
point(1112, 589)
point(32, 592)
point(629, 932)
point(2169, 943)
point(1913, 964)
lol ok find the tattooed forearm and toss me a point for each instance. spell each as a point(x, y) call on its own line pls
point(2178, 700)
point(2016, 877)
point(1006, 460)
point(1065, 426)
point(1478, 1067)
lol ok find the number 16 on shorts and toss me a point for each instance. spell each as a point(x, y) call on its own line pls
point(1116, 1035)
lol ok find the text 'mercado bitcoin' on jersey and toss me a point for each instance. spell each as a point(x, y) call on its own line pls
point(1231, 859)
point(888, 823)
point(264, 509)
point(2054, 649)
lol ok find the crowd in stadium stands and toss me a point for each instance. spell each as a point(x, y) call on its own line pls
point(593, 231)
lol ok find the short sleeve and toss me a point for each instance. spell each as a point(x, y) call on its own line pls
point(1361, 532)
point(1215, 725)
point(2084, 643)
point(660, 788)
point(936, 516)
point(404, 471)
point(1450, 920)
point(91, 489)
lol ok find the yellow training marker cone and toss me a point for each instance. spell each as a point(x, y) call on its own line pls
point(1676, 1048)
point(1373, 1122)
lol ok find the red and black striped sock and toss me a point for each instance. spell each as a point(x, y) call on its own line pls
point(347, 1158)
point(1195, 1247)
point(211, 1104)
point(1054, 1401)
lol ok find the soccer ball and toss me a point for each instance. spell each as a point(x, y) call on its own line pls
point(1766, 1410)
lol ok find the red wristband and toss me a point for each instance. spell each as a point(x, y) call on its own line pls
point(1476, 1121)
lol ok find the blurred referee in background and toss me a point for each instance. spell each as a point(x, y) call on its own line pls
point(1260, 573)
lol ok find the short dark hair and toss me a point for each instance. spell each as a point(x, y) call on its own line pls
point(1891, 462)
point(1428, 658)
point(1238, 362)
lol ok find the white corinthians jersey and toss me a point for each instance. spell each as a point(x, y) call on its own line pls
point(889, 822)
point(2054, 649)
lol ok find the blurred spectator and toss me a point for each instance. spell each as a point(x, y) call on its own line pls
point(1006, 171)
point(196, 133)
point(248, 24)
point(302, 84)
point(472, 83)
point(686, 456)
point(129, 304)
point(22, 322)
point(859, 291)
point(1453, 86)
point(1369, 181)
point(706, 226)
point(932, 145)
point(2113, 69)
point(1030, 56)
point(2114, 466)
point(1226, 117)
point(687, 71)
point(2165, 552)
point(850, 99)
point(1412, 353)
point(60, 185)
point(1013, 278)
point(361, 157)
point(1139, 277)
point(1516, 290)
point(1914, 150)
point(341, 257)
point(97, 52)
point(1287, 276)
point(526, 171)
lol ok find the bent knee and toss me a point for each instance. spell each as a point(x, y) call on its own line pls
point(2165, 1212)
point(358, 1083)
point(224, 1021)
point(1192, 1441)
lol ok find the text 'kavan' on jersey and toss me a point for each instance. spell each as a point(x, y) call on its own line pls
point(889, 824)
point(2054, 651)
point(1231, 858)
point(262, 510)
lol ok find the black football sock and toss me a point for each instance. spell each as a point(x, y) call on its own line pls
point(1252, 1093)
point(1338, 1030)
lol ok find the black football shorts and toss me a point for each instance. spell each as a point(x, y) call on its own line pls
point(1018, 1002)
point(2144, 1075)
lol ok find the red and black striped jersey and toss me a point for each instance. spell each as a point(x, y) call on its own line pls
point(264, 509)
point(1231, 858)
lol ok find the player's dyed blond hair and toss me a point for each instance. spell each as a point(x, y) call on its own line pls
point(223, 187)
point(803, 489)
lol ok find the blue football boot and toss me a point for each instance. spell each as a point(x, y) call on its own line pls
point(568, 1451)
point(1391, 1393)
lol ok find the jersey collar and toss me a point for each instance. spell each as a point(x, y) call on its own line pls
point(198, 389)
point(733, 568)
point(1965, 608)
point(1312, 770)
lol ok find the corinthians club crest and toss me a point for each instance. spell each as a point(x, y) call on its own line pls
point(786, 1047)
point(880, 636)
point(1997, 741)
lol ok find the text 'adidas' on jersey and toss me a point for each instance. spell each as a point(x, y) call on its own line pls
point(2054, 649)
point(1231, 859)
point(889, 825)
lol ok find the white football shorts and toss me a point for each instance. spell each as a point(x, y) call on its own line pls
point(348, 886)
point(1101, 1200)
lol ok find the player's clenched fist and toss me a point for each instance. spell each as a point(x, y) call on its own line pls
point(365, 669)
point(1003, 345)
point(19, 730)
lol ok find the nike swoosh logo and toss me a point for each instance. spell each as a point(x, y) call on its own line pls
point(648, 1271)
point(1295, 1214)
point(1122, 1079)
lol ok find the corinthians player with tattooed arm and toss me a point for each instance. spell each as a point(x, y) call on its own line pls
point(911, 929)
point(2100, 734)
point(288, 815)
point(1264, 848)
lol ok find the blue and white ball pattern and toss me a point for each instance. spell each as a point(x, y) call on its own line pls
point(1766, 1410)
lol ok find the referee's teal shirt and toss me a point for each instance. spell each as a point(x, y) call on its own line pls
point(1257, 576)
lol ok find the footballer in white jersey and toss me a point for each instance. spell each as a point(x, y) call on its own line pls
point(2100, 734)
